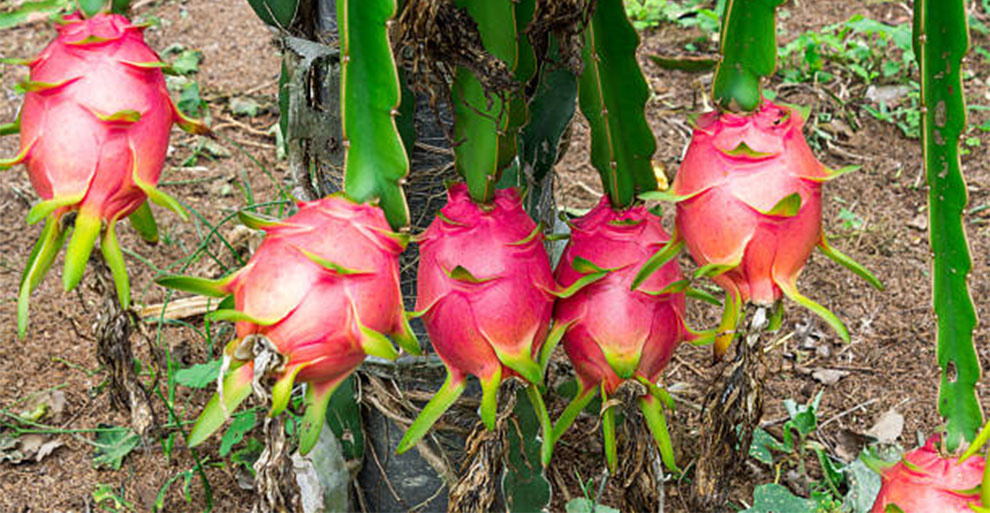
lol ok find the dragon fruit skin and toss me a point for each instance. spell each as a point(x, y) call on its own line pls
point(485, 293)
point(737, 168)
point(749, 210)
point(322, 288)
point(925, 482)
point(611, 332)
point(94, 131)
point(615, 333)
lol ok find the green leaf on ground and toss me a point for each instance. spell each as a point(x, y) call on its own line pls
point(242, 423)
point(113, 445)
point(775, 498)
point(200, 375)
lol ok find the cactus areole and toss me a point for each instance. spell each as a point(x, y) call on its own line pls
point(926, 482)
point(485, 293)
point(749, 208)
point(612, 333)
point(320, 293)
point(94, 131)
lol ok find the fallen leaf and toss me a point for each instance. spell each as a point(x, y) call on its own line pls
point(828, 376)
point(888, 427)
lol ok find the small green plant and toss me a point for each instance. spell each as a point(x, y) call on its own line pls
point(834, 486)
point(687, 13)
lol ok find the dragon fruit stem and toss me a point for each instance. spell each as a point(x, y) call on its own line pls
point(489, 397)
point(444, 398)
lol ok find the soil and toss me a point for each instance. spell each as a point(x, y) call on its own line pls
point(890, 361)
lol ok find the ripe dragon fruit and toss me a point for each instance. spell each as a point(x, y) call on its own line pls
point(925, 482)
point(749, 209)
point(322, 289)
point(612, 333)
point(486, 298)
point(94, 131)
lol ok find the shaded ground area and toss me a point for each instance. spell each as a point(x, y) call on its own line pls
point(876, 215)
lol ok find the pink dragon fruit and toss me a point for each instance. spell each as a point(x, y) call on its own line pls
point(94, 131)
point(749, 209)
point(925, 482)
point(486, 298)
point(612, 333)
point(322, 289)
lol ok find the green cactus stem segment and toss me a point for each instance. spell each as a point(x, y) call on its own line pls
point(200, 286)
point(236, 388)
point(444, 398)
point(10, 128)
point(84, 234)
point(144, 223)
point(489, 397)
point(317, 399)
point(487, 122)
point(17, 159)
point(608, 432)
point(727, 328)
point(612, 95)
point(155, 195)
point(282, 389)
point(652, 410)
point(114, 259)
point(847, 262)
point(668, 252)
point(941, 40)
point(546, 427)
point(43, 209)
point(42, 257)
point(748, 45)
point(406, 338)
point(375, 160)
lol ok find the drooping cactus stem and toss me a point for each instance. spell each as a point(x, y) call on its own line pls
point(941, 40)
point(375, 160)
point(487, 122)
point(748, 44)
point(612, 94)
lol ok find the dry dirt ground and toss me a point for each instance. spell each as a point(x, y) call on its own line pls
point(890, 362)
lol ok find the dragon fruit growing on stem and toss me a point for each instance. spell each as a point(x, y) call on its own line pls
point(749, 210)
point(610, 332)
point(485, 294)
point(94, 131)
point(321, 291)
point(924, 481)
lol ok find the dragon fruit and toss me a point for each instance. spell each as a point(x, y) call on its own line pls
point(749, 209)
point(94, 131)
point(925, 482)
point(612, 333)
point(486, 298)
point(321, 290)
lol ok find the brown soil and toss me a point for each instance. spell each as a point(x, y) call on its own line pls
point(891, 358)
